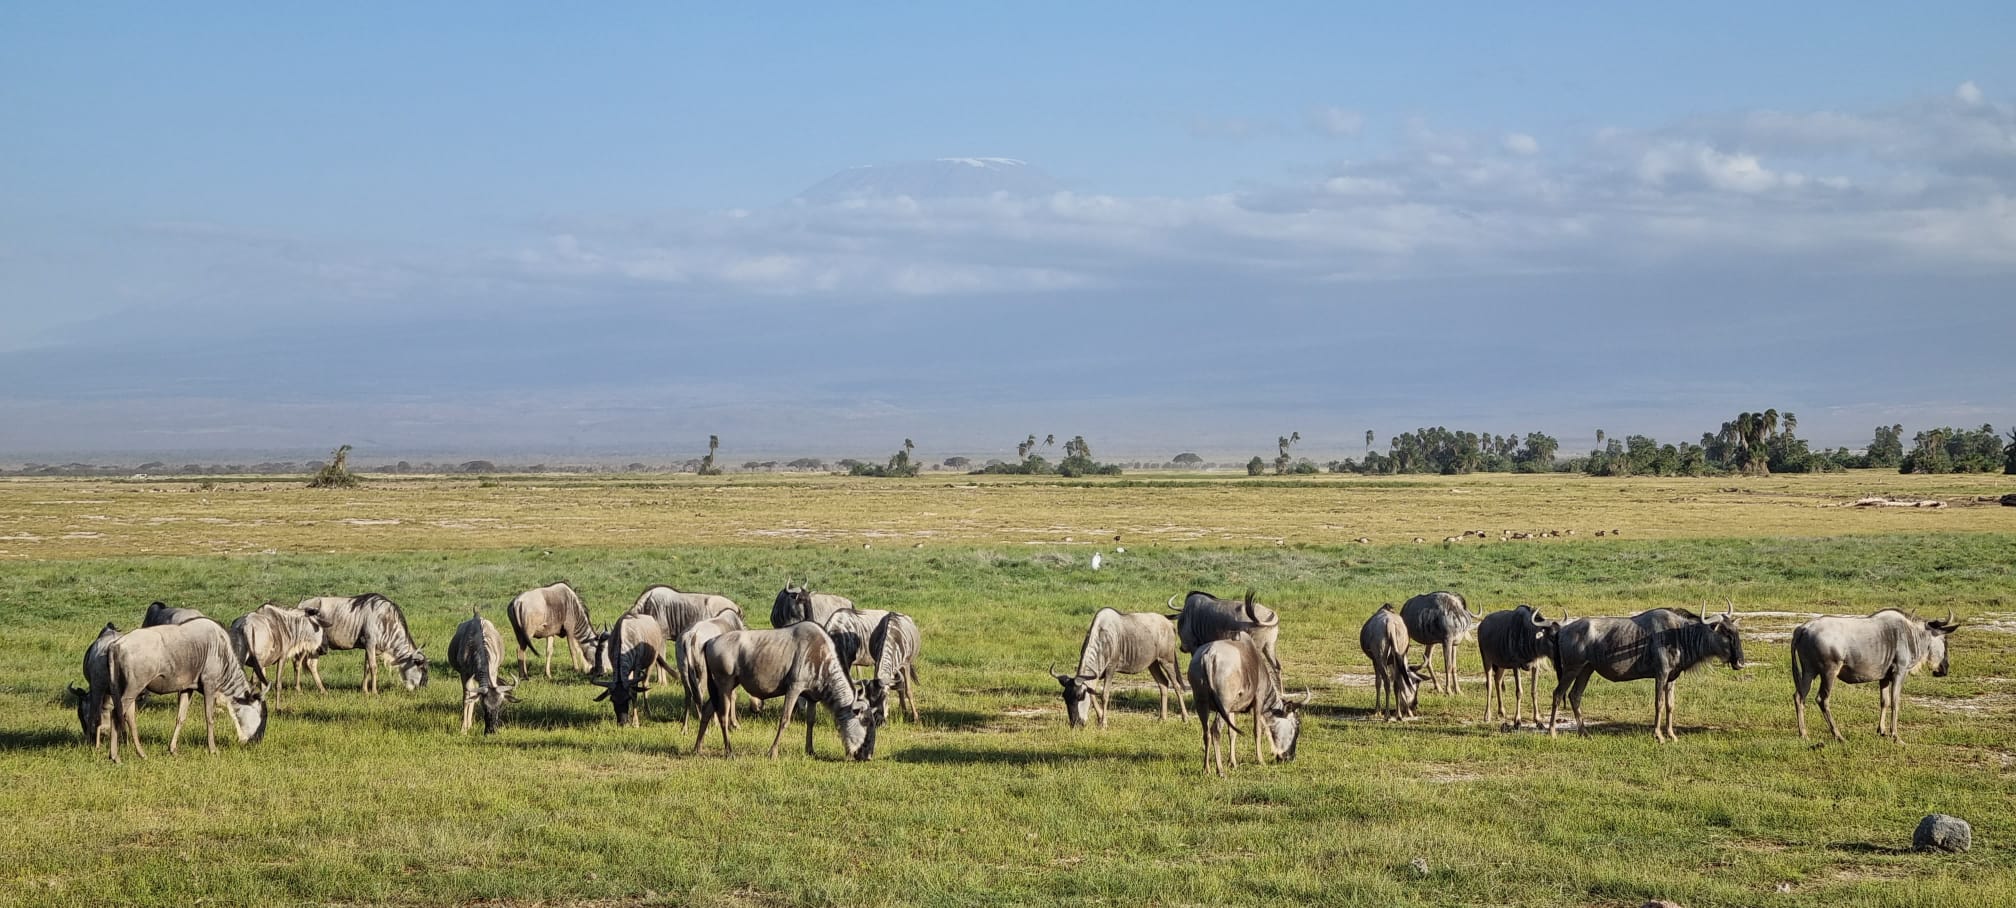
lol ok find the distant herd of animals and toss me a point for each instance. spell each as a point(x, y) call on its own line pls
point(818, 640)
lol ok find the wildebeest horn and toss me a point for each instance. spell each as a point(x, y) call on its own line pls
point(1949, 617)
point(1538, 621)
point(1730, 610)
point(75, 691)
point(1308, 696)
point(1172, 601)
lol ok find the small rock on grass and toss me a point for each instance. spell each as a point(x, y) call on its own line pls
point(1939, 832)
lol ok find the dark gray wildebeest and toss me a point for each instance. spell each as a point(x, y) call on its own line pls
point(158, 613)
point(474, 652)
point(193, 657)
point(795, 603)
point(677, 612)
point(1205, 618)
point(1384, 641)
point(93, 703)
point(1515, 640)
point(1883, 647)
point(693, 666)
point(851, 630)
point(630, 649)
point(790, 662)
point(895, 646)
point(545, 613)
point(1232, 676)
point(1438, 618)
point(374, 624)
point(274, 635)
point(1122, 643)
point(1657, 644)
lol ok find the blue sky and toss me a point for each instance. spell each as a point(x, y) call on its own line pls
point(480, 219)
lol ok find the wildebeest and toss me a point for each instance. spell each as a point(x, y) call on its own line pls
point(1882, 647)
point(195, 656)
point(374, 624)
point(677, 612)
point(787, 662)
point(1122, 643)
point(158, 613)
point(1232, 676)
point(93, 705)
point(1657, 644)
point(630, 648)
point(1515, 640)
point(693, 665)
point(473, 653)
point(895, 645)
point(273, 635)
point(795, 603)
point(1438, 618)
point(1205, 618)
point(851, 630)
point(545, 613)
point(1383, 639)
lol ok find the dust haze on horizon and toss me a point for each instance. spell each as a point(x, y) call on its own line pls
point(822, 234)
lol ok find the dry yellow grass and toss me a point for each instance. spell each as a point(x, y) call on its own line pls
point(44, 519)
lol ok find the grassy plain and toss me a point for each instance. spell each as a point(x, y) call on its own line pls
point(993, 801)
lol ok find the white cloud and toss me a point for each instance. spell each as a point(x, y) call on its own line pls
point(1520, 143)
point(1337, 121)
point(1968, 93)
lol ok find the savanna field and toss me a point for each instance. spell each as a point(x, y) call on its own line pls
point(992, 800)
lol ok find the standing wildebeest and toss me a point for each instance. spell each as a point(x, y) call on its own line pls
point(693, 666)
point(1384, 641)
point(549, 612)
point(375, 625)
point(677, 612)
point(629, 649)
point(92, 700)
point(1883, 647)
point(1438, 618)
point(1657, 644)
point(894, 645)
point(787, 662)
point(474, 652)
point(1205, 618)
point(158, 613)
point(796, 603)
point(1122, 643)
point(1232, 676)
point(1515, 640)
point(272, 635)
point(178, 659)
point(851, 630)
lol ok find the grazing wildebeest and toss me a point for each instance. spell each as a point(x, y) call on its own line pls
point(1515, 640)
point(473, 653)
point(545, 613)
point(895, 645)
point(677, 612)
point(1657, 644)
point(693, 666)
point(273, 635)
point(630, 648)
point(1233, 676)
point(158, 613)
point(1438, 618)
point(374, 624)
point(93, 703)
point(1883, 647)
point(796, 603)
point(787, 662)
point(1205, 618)
point(1383, 639)
point(1122, 643)
point(195, 656)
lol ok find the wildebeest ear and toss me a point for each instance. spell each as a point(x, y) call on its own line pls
point(604, 695)
point(471, 695)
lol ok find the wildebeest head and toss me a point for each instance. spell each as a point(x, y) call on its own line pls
point(857, 730)
point(876, 694)
point(1726, 637)
point(622, 696)
point(87, 718)
point(595, 648)
point(1407, 687)
point(413, 670)
point(1078, 695)
point(1939, 630)
point(248, 714)
point(1284, 727)
point(492, 701)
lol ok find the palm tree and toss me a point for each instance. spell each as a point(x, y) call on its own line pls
point(1599, 439)
point(909, 446)
point(1791, 421)
point(1022, 450)
point(1368, 442)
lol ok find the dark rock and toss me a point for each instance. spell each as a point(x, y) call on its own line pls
point(1939, 832)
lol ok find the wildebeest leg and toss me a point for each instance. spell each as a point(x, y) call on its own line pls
point(1658, 707)
point(106, 722)
point(706, 715)
point(1827, 675)
point(1575, 700)
point(1896, 706)
point(1210, 742)
point(1260, 736)
point(1494, 682)
point(181, 715)
point(1562, 682)
point(549, 658)
point(575, 653)
point(1449, 667)
point(128, 716)
point(1105, 695)
point(315, 668)
point(1176, 681)
point(209, 720)
point(783, 719)
point(1427, 665)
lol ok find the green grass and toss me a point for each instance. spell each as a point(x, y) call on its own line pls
point(993, 801)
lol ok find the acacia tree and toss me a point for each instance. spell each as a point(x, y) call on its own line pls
point(1284, 443)
point(1368, 442)
point(707, 467)
point(336, 473)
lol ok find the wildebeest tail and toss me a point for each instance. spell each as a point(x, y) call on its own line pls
point(518, 626)
point(1798, 637)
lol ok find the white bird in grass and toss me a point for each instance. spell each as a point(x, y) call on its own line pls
point(1095, 561)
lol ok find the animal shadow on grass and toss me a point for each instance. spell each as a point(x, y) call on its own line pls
point(1868, 848)
point(947, 754)
point(37, 738)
